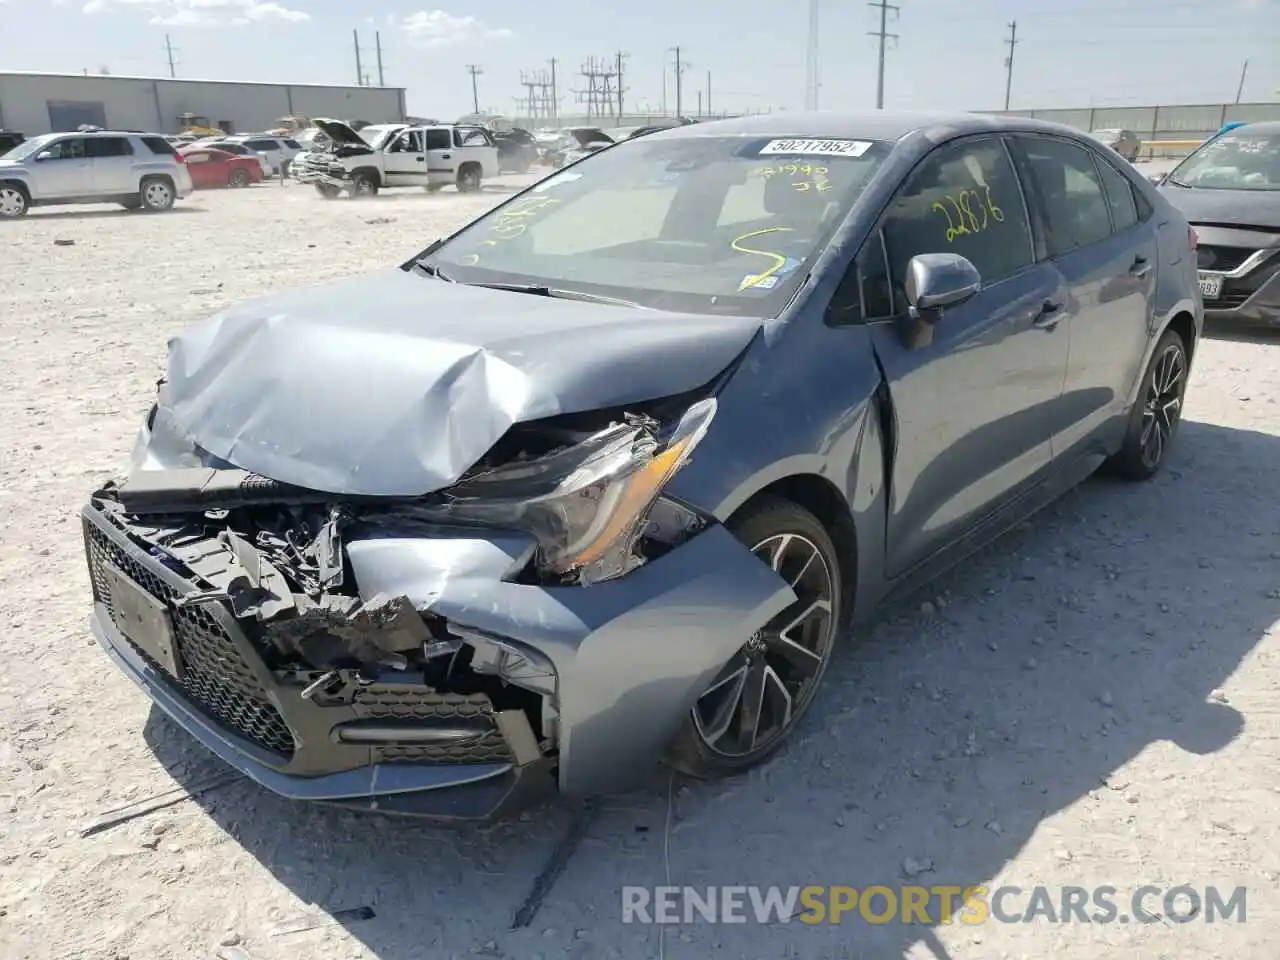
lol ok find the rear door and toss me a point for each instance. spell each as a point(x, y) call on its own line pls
point(976, 405)
point(440, 154)
point(112, 159)
point(404, 161)
point(1088, 219)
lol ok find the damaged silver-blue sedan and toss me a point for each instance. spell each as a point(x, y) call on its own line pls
point(596, 481)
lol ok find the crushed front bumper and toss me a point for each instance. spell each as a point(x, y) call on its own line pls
point(629, 659)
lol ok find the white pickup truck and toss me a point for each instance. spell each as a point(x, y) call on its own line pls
point(392, 155)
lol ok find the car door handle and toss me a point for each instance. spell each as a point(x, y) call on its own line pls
point(1049, 317)
point(421, 159)
point(1141, 267)
point(444, 156)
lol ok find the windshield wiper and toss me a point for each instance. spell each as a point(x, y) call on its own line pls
point(539, 290)
point(431, 270)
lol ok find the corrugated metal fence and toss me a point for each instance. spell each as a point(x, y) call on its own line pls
point(1167, 131)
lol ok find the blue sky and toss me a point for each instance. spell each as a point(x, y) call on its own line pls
point(949, 56)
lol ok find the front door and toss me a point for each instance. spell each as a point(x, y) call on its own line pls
point(976, 405)
point(1107, 254)
point(64, 170)
point(405, 160)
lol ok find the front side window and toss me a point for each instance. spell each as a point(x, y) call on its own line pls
point(964, 198)
point(408, 142)
point(701, 224)
point(1238, 160)
point(1070, 192)
point(1124, 209)
point(72, 148)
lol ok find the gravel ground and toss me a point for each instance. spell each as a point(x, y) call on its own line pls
point(1092, 701)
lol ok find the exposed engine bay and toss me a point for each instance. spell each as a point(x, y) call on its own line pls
point(585, 498)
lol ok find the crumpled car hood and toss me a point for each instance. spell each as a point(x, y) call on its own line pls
point(1244, 208)
point(395, 384)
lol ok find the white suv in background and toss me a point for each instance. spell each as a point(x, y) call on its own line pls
point(135, 170)
point(277, 153)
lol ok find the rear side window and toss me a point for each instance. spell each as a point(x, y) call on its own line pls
point(1124, 209)
point(1070, 193)
point(293, 145)
point(159, 145)
point(964, 198)
point(107, 147)
point(437, 139)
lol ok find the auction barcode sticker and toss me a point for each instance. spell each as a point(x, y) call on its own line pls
point(817, 148)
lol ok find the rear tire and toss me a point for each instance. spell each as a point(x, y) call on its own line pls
point(469, 178)
point(14, 202)
point(156, 194)
point(785, 661)
point(238, 178)
point(1154, 419)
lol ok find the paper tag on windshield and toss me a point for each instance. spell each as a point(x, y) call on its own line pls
point(817, 148)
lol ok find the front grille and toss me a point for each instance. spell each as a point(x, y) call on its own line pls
point(387, 702)
point(1223, 259)
point(215, 676)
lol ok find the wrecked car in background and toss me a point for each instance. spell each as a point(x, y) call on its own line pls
point(596, 480)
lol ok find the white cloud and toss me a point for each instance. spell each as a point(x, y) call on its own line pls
point(204, 13)
point(435, 28)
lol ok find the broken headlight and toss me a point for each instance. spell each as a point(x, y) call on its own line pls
point(587, 505)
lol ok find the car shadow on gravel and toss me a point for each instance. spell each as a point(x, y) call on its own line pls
point(100, 214)
point(1241, 333)
point(944, 737)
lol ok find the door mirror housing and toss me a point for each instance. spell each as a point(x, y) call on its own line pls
point(44, 155)
point(935, 281)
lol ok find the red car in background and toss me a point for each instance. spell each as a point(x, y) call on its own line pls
point(217, 168)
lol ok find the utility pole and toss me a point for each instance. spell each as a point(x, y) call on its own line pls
point(1008, 63)
point(708, 93)
point(377, 41)
point(811, 60)
point(884, 7)
point(680, 68)
point(620, 56)
point(555, 96)
point(475, 71)
point(355, 39)
point(1240, 87)
point(168, 47)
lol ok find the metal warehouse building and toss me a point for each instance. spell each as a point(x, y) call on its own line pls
point(33, 103)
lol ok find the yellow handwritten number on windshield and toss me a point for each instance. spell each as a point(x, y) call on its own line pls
point(779, 261)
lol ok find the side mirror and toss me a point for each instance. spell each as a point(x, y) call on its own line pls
point(935, 281)
point(44, 155)
point(1157, 178)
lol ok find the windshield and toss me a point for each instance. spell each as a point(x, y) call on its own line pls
point(26, 149)
point(377, 136)
point(724, 225)
point(1238, 160)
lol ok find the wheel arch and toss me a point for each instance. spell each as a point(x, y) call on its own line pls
point(369, 171)
point(1184, 325)
point(20, 184)
point(823, 499)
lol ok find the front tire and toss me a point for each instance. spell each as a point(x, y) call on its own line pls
point(156, 194)
point(364, 185)
point(14, 201)
point(1153, 422)
point(751, 708)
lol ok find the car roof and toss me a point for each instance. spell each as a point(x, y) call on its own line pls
point(866, 125)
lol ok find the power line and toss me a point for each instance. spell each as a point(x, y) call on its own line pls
point(884, 35)
point(1011, 43)
point(168, 48)
point(475, 71)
